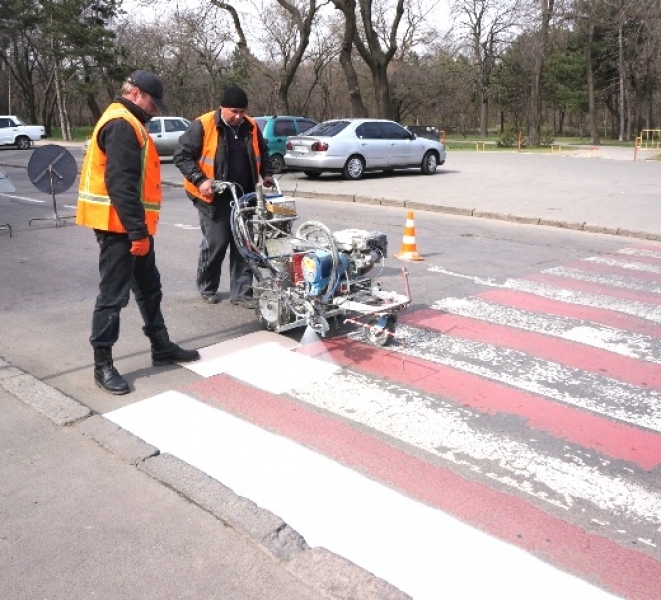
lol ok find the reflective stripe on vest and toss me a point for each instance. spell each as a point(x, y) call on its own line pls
point(210, 147)
point(94, 207)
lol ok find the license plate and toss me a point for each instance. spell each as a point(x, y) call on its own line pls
point(301, 149)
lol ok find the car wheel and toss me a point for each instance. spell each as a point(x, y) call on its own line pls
point(353, 168)
point(429, 163)
point(277, 164)
point(23, 142)
point(312, 174)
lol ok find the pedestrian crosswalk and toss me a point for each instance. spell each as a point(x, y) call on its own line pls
point(530, 413)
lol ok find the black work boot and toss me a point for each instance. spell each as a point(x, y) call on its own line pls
point(165, 352)
point(105, 374)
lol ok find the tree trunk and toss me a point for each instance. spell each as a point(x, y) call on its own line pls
point(60, 102)
point(358, 108)
point(620, 68)
point(542, 40)
point(382, 90)
point(592, 105)
point(484, 112)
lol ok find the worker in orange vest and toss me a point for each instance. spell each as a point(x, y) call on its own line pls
point(226, 145)
point(120, 199)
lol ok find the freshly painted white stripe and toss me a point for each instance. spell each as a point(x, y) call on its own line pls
point(601, 395)
point(642, 310)
point(258, 358)
point(421, 550)
point(618, 341)
point(212, 358)
point(629, 283)
point(180, 225)
point(23, 198)
point(624, 264)
point(464, 437)
point(640, 252)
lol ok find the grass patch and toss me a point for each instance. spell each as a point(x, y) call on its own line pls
point(79, 134)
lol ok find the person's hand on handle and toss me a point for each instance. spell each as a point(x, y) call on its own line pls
point(205, 188)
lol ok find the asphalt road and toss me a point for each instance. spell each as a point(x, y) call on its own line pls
point(53, 276)
point(51, 285)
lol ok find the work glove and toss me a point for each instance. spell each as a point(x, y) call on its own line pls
point(140, 247)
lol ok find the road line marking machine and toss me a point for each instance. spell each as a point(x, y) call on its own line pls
point(304, 277)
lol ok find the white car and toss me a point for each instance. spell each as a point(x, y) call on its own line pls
point(13, 132)
point(165, 131)
point(354, 146)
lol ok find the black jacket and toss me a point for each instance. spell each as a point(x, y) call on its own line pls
point(189, 149)
point(124, 169)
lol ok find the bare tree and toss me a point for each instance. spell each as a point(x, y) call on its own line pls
point(376, 57)
point(486, 27)
point(348, 9)
point(293, 39)
point(544, 14)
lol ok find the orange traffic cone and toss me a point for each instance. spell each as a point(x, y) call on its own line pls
point(409, 250)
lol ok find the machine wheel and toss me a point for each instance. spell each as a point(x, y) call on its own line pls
point(381, 331)
point(23, 142)
point(429, 163)
point(277, 164)
point(312, 174)
point(354, 168)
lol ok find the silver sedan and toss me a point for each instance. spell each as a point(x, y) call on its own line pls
point(354, 146)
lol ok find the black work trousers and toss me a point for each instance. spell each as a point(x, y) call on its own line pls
point(120, 273)
point(216, 239)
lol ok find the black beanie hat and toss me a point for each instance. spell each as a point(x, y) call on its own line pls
point(234, 97)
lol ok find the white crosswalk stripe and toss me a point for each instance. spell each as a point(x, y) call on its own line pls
point(643, 310)
point(637, 346)
point(622, 401)
point(616, 281)
point(624, 264)
point(640, 252)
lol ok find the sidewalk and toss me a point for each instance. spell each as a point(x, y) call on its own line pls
point(89, 510)
point(598, 192)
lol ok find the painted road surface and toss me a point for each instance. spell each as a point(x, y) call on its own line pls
point(506, 445)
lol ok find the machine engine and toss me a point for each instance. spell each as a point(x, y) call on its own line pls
point(357, 250)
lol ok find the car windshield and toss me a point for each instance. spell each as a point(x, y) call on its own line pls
point(261, 123)
point(328, 128)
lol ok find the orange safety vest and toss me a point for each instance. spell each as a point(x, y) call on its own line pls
point(209, 148)
point(94, 208)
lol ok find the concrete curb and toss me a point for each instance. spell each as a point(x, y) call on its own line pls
point(331, 575)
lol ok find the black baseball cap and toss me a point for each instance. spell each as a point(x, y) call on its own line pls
point(151, 84)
